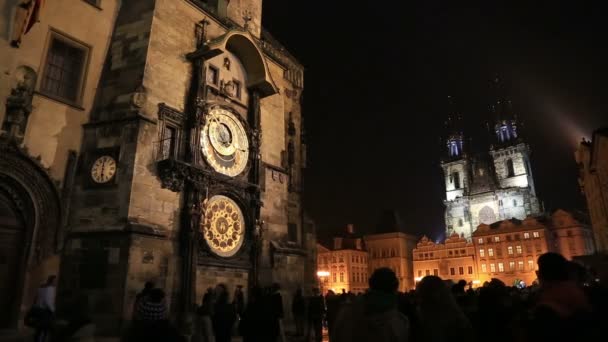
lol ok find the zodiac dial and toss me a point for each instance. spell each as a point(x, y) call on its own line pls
point(223, 226)
point(224, 142)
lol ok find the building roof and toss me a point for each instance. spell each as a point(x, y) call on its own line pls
point(390, 222)
point(558, 219)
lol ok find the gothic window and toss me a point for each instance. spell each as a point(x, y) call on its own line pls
point(213, 75)
point(515, 203)
point(510, 169)
point(170, 131)
point(64, 67)
point(456, 180)
point(459, 222)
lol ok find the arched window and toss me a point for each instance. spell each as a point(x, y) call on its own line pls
point(456, 177)
point(510, 169)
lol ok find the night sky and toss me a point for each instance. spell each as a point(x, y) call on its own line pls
point(375, 97)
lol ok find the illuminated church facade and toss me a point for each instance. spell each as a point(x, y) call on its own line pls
point(486, 188)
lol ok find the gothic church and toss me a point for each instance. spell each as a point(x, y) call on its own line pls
point(490, 187)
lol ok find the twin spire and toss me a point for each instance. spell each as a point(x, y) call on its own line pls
point(503, 116)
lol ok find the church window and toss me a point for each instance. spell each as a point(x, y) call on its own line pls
point(456, 180)
point(484, 269)
point(500, 203)
point(64, 69)
point(460, 223)
point(501, 267)
point(515, 203)
point(461, 270)
point(452, 271)
point(510, 250)
point(213, 75)
point(510, 169)
point(470, 269)
point(490, 252)
point(482, 253)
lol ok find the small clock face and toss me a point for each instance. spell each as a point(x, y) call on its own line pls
point(223, 226)
point(224, 142)
point(103, 169)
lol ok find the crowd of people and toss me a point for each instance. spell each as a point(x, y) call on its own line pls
point(564, 306)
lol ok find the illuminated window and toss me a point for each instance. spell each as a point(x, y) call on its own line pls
point(470, 269)
point(497, 239)
point(490, 252)
point(511, 265)
point(518, 249)
point(492, 268)
point(480, 241)
point(435, 272)
point(501, 267)
point(461, 270)
point(535, 234)
point(482, 253)
point(510, 250)
point(484, 268)
point(452, 271)
point(531, 264)
point(526, 235)
point(341, 276)
point(520, 265)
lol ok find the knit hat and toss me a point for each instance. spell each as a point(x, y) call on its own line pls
point(152, 307)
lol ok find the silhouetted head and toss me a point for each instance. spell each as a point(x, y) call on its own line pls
point(552, 267)
point(50, 281)
point(384, 280)
point(156, 295)
point(148, 286)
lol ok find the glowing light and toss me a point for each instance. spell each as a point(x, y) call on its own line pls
point(418, 278)
point(476, 282)
point(322, 274)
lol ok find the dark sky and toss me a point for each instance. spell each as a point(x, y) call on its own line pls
point(378, 76)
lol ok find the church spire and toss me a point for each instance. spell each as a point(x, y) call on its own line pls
point(505, 120)
point(454, 131)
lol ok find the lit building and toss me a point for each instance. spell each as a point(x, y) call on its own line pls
point(484, 189)
point(452, 260)
point(345, 265)
point(592, 159)
point(132, 150)
point(391, 247)
point(508, 250)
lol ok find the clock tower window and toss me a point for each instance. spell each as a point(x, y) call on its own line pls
point(510, 168)
point(456, 178)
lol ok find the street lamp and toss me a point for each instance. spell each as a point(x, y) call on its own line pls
point(321, 275)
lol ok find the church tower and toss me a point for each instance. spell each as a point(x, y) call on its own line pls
point(455, 165)
point(511, 158)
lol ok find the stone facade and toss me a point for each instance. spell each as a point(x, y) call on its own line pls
point(506, 250)
point(154, 71)
point(392, 250)
point(40, 137)
point(592, 159)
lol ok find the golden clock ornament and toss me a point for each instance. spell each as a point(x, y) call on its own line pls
point(223, 226)
point(224, 142)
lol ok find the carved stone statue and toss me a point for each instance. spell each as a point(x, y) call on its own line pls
point(19, 103)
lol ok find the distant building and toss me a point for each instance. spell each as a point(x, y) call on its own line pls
point(391, 247)
point(483, 189)
point(344, 266)
point(452, 260)
point(592, 159)
point(506, 250)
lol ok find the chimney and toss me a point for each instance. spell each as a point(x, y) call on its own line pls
point(350, 228)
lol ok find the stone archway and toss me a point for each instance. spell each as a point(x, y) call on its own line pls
point(29, 219)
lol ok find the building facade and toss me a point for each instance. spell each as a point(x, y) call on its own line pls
point(486, 188)
point(454, 259)
point(394, 251)
point(165, 142)
point(344, 266)
point(592, 159)
point(506, 250)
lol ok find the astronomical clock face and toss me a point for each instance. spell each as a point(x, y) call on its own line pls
point(224, 142)
point(223, 226)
